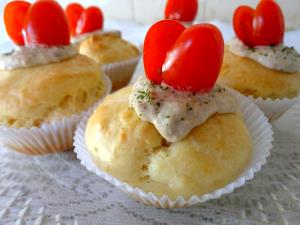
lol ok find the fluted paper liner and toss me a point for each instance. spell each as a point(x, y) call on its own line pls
point(273, 109)
point(55, 136)
point(121, 72)
point(261, 135)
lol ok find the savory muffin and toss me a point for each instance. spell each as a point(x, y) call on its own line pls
point(257, 62)
point(35, 95)
point(45, 85)
point(132, 150)
point(108, 48)
point(117, 56)
point(251, 78)
point(174, 133)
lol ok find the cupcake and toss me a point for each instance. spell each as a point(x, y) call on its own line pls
point(84, 22)
point(258, 64)
point(184, 11)
point(117, 56)
point(45, 84)
point(175, 135)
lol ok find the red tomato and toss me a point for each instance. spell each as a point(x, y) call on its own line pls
point(159, 39)
point(194, 62)
point(90, 20)
point(243, 24)
point(187, 59)
point(14, 15)
point(262, 26)
point(182, 10)
point(73, 13)
point(46, 24)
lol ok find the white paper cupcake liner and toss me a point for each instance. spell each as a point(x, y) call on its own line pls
point(273, 109)
point(121, 72)
point(261, 135)
point(51, 137)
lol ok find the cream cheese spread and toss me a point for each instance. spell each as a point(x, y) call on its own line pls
point(175, 113)
point(279, 57)
point(35, 55)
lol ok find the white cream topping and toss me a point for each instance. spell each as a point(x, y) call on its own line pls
point(175, 113)
point(35, 55)
point(79, 38)
point(280, 57)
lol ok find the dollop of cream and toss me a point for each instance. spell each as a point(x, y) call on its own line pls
point(279, 57)
point(35, 55)
point(79, 38)
point(175, 113)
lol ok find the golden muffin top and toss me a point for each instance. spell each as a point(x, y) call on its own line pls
point(34, 95)
point(108, 48)
point(211, 156)
point(251, 78)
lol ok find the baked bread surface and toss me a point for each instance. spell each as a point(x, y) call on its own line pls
point(251, 78)
point(35, 95)
point(108, 48)
point(211, 156)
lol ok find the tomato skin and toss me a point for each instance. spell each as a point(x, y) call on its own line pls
point(14, 15)
point(268, 23)
point(194, 62)
point(73, 13)
point(46, 24)
point(187, 59)
point(90, 20)
point(159, 39)
point(260, 27)
point(243, 24)
point(181, 10)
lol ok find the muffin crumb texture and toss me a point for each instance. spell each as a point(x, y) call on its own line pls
point(251, 78)
point(108, 48)
point(32, 96)
point(211, 156)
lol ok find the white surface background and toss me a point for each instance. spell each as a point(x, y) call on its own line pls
point(148, 11)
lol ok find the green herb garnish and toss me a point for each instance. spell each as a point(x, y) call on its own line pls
point(144, 95)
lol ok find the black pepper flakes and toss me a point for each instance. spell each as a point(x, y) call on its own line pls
point(188, 107)
point(9, 53)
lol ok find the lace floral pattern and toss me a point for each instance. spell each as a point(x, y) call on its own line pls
point(56, 189)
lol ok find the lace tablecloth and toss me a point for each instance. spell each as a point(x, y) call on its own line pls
point(56, 189)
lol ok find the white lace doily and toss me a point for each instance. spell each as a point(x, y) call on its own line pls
point(56, 189)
